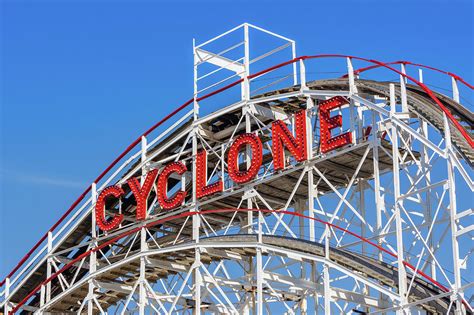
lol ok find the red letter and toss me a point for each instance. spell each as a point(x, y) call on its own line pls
point(328, 123)
point(201, 177)
point(233, 158)
point(178, 198)
point(141, 193)
point(282, 136)
point(103, 224)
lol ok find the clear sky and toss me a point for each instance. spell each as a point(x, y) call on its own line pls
point(80, 80)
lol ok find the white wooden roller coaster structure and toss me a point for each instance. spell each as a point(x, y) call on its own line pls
point(370, 227)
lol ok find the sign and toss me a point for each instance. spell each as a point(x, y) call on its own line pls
point(282, 138)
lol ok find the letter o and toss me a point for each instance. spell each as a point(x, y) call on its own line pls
point(255, 144)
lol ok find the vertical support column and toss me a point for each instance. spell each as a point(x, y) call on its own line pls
point(362, 186)
point(259, 267)
point(246, 82)
point(93, 255)
point(49, 269)
point(259, 282)
point(142, 300)
point(402, 279)
point(302, 74)
point(250, 219)
point(45, 291)
point(455, 89)
point(355, 120)
point(457, 296)
point(311, 192)
point(195, 76)
point(245, 109)
point(326, 277)
point(403, 89)
point(420, 75)
point(42, 297)
point(293, 55)
point(7, 294)
point(379, 202)
point(300, 208)
point(143, 156)
point(378, 198)
point(350, 73)
point(142, 286)
point(425, 166)
point(196, 222)
point(248, 160)
point(223, 146)
point(309, 129)
point(248, 129)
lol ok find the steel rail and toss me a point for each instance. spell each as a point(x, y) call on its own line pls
point(190, 101)
point(204, 212)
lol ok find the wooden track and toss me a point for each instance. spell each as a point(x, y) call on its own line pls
point(167, 265)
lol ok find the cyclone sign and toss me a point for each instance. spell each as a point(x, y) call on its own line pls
point(282, 138)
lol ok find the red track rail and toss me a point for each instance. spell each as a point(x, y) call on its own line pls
point(177, 110)
point(204, 212)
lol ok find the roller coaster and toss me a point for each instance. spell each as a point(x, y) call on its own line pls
point(285, 185)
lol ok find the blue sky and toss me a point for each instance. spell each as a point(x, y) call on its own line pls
point(81, 79)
